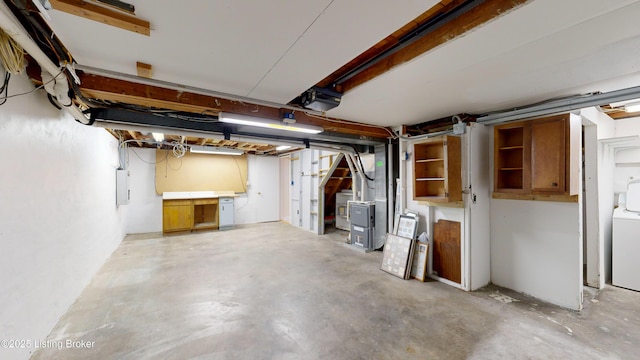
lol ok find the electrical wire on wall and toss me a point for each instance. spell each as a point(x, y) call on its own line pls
point(12, 58)
point(178, 149)
point(361, 165)
point(11, 54)
point(5, 97)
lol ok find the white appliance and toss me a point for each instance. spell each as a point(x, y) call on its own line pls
point(626, 240)
point(225, 220)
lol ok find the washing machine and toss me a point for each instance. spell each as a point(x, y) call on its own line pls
point(625, 256)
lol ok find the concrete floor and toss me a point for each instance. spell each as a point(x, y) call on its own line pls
point(271, 291)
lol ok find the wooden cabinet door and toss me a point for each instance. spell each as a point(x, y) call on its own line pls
point(548, 155)
point(447, 261)
point(176, 215)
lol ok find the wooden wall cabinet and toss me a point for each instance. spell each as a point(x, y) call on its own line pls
point(536, 159)
point(189, 214)
point(437, 169)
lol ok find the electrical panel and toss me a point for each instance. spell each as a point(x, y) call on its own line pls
point(122, 187)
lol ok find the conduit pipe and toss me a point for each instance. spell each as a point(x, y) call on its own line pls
point(58, 87)
point(359, 173)
point(354, 184)
point(12, 27)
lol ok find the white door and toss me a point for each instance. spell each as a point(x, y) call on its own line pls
point(295, 190)
point(478, 200)
point(285, 185)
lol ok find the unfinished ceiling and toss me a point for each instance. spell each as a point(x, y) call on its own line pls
point(495, 55)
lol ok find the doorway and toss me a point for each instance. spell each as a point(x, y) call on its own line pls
point(285, 185)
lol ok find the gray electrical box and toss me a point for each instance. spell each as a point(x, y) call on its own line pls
point(362, 236)
point(363, 213)
point(122, 187)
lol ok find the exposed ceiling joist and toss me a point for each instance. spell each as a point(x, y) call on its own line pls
point(134, 136)
point(104, 88)
point(104, 15)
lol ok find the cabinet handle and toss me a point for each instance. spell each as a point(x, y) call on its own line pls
point(554, 184)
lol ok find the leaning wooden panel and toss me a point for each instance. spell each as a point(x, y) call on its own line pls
point(200, 172)
point(446, 250)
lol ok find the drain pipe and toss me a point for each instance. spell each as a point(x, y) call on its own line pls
point(12, 27)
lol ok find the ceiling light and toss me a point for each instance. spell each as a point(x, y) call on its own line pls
point(159, 137)
point(214, 150)
point(632, 108)
point(283, 147)
point(266, 123)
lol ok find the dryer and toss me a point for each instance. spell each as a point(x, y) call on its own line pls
point(626, 240)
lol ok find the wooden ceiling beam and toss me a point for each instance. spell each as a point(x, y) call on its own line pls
point(104, 88)
point(102, 14)
point(618, 113)
point(115, 90)
point(479, 15)
point(391, 40)
point(133, 135)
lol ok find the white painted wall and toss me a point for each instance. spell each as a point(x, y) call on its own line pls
point(627, 127)
point(58, 218)
point(145, 206)
point(627, 168)
point(606, 125)
point(261, 203)
point(536, 248)
point(627, 159)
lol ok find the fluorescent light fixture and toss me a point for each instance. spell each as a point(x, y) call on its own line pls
point(159, 137)
point(283, 147)
point(214, 150)
point(266, 123)
point(632, 108)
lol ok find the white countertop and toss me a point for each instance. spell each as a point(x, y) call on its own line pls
point(175, 195)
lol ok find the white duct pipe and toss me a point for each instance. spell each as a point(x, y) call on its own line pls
point(354, 184)
point(12, 27)
point(361, 175)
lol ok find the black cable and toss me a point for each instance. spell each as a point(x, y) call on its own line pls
point(5, 87)
point(361, 166)
point(53, 102)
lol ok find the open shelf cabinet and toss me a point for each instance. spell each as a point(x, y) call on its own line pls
point(537, 159)
point(437, 169)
